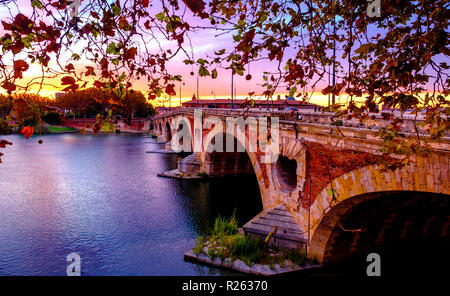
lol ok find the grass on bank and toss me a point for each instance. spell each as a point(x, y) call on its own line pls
point(60, 129)
point(225, 242)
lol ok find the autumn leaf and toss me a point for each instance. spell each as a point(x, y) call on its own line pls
point(123, 24)
point(7, 26)
point(3, 143)
point(196, 6)
point(94, 15)
point(70, 67)
point(90, 71)
point(9, 86)
point(27, 131)
point(170, 90)
point(130, 53)
point(23, 24)
point(19, 67)
point(147, 25)
point(67, 80)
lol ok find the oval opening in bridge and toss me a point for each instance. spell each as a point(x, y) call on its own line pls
point(286, 173)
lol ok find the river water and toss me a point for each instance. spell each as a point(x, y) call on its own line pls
point(99, 196)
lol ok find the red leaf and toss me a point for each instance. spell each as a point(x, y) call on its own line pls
point(19, 67)
point(27, 131)
point(145, 3)
point(196, 6)
point(90, 71)
point(130, 53)
point(151, 96)
point(147, 25)
point(94, 15)
point(70, 67)
point(123, 23)
point(23, 24)
point(169, 90)
point(7, 26)
point(99, 84)
point(67, 80)
point(53, 46)
point(17, 47)
point(9, 86)
point(3, 143)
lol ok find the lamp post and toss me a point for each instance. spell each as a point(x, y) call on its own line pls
point(232, 106)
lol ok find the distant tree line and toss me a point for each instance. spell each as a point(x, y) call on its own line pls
point(31, 109)
point(92, 101)
point(27, 109)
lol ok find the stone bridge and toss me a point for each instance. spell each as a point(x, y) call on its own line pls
point(322, 179)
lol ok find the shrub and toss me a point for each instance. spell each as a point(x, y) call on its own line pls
point(53, 117)
point(200, 245)
point(202, 174)
point(249, 250)
point(30, 121)
point(296, 256)
point(4, 127)
point(225, 226)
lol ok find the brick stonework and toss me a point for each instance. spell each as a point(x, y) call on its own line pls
point(332, 172)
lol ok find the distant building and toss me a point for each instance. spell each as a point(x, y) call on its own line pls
point(59, 94)
point(278, 104)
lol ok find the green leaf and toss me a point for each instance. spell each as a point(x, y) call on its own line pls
point(112, 49)
point(203, 71)
point(331, 192)
point(160, 16)
point(237, 37)
point(214, 74)
point(202, 62)
point(116, 10)
point(220, 52)
point(37, 4)
point(241, 23)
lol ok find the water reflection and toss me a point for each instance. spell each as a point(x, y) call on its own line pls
point(100, 196)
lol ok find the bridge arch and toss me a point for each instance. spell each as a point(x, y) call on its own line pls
point(183, 139)
point(235, 163)
point(224, 164)
point(167, 132)
point(360, 186)
point(159, 127)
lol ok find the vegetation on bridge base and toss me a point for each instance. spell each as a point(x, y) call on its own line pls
point(226, 242)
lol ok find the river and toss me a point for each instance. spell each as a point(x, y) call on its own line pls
point(99, 196)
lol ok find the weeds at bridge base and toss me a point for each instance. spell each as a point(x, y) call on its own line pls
point(226, 242)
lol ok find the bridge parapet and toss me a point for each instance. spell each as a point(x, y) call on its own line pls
point(374, 121)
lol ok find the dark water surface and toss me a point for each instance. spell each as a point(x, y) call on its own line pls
point(99, 196)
